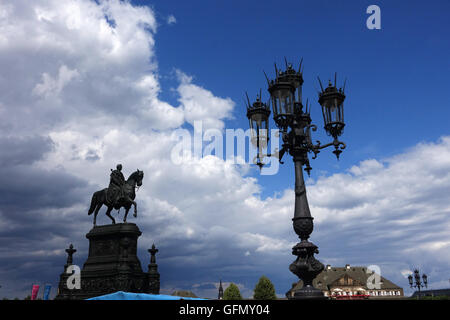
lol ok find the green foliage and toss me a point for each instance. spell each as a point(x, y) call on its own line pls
point(264, 290)
point(184, 293)
point(232, 293)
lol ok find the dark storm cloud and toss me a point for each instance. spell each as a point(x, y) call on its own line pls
point(38, 222)
point(29, 194)
point(23, 150)
point(30, 187)
point(27, 187)
point(205, 286)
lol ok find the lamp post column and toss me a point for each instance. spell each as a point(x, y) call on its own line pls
point(301, 201)
point(306, 267)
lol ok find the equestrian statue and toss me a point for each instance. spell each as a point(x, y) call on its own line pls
point(120, 194)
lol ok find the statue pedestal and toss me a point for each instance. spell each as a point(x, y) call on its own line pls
point(112, 265)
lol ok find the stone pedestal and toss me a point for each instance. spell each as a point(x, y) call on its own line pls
point(112, 265)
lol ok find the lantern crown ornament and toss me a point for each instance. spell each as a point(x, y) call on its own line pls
point(291, 75)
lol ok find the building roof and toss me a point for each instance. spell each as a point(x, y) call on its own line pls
point(436, 292)
point(330, 277)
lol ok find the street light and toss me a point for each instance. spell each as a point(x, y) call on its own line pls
point(294, 121)
point(416, 283)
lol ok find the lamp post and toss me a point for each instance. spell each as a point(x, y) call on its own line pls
point(294, 121)
point(416, 283)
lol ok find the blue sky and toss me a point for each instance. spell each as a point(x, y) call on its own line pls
point(80, 92)
point(396, 76)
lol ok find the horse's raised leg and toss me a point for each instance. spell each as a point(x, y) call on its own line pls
point(126, 214)
point(129, 200)
point(108, 213)
point(135, 209)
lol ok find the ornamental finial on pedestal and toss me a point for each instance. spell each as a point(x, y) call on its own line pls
point(153, 267)
point(70, 251)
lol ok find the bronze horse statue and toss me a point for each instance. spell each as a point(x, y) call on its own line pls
point(100, 198)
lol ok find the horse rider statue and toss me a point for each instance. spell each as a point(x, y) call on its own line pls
point(116, 184)
point(120, 194)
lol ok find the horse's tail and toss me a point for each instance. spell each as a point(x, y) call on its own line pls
point(93, 203)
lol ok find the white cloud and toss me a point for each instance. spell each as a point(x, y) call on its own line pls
point(96, 59)
point(52, 87)
point(171, 19)
point(406, 272)
point(200, 104)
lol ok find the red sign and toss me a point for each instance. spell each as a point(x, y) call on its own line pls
point(34, 291)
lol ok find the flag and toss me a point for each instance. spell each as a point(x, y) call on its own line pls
point(47, 291)
point(34, 291)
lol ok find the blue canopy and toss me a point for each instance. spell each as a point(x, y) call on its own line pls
point(120, 295)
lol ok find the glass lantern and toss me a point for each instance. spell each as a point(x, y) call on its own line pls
point(283, 98)
point(258, 116)
point(332, 101)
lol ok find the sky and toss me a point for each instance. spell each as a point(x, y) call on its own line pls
point(85, 85)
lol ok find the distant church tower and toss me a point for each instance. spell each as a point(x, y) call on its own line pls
point(220, 291)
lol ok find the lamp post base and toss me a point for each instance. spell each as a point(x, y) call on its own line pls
point(308, 293)
point(306, 267)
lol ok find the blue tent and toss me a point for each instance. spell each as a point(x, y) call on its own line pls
point(120, 295)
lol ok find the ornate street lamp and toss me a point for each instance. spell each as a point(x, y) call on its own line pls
point(294, 121)
point(416, 283)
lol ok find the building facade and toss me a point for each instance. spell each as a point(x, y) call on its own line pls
point(353, 283)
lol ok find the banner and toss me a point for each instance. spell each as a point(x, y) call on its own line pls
point(47, 291)
point(34, 291)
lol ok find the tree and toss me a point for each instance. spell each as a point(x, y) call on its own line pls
point(264, 290)
point(232, 293)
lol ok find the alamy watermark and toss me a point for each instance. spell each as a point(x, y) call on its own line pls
point(374, 280)
point(74, 280)
point(374, 20)
point(231, 145)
